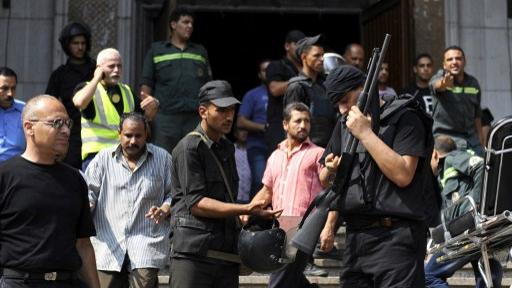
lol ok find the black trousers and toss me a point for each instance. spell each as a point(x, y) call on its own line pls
point(292, 276)
point(187, 273)
point(385, 257)
point(27, 283)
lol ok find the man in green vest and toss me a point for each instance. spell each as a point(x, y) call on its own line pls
point(173, 72)
point(102, 101)
point(456, 106)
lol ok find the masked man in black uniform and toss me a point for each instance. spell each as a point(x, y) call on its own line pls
point(383, 203)
point(75, 40)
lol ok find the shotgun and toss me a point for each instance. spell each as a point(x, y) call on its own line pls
point(314, 220)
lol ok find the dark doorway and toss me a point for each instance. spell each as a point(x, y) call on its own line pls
point(234, 55)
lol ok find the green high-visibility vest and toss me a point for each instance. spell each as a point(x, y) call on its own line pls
point(102, 131)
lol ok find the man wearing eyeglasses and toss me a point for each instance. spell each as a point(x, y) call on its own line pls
point(101, 102)
point(12, 140)
point(45, 217)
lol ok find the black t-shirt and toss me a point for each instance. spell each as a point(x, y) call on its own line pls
point(63, 81)
point(90, 112)
point(409, 139)
point(423, 95)
point(61, 85)
point(280, 70)
point(44, 209)
point(410, 133)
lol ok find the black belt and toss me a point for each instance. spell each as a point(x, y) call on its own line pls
point(46, 276)
point(374, 222)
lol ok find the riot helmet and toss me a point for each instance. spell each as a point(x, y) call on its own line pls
point(262, 245)
point(331, 61)
point(71, 30)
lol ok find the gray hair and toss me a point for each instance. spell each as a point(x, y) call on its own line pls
point(107, 53)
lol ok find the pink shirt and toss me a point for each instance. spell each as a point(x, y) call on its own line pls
point(294, 180)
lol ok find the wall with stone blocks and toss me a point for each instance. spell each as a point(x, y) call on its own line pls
point(482, 29)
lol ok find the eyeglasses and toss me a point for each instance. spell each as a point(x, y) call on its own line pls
point(56, 123)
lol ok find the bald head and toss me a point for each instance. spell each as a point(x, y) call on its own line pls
point(107, 54)
point(46, 125)
point(39, 105)
point(354, 55)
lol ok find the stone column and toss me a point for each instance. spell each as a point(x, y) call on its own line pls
point(429, 28)
point(25, 45)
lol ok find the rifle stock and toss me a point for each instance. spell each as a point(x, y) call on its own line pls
point(315, 217)
point(310, 228)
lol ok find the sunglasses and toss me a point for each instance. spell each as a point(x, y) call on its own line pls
point(56, 123)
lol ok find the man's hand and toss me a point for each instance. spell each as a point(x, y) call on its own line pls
point(326, 239)
point(258, 208)
point(332, 162)
point(98, 74)
point(244, 219)
point(268, 214)
point(358, 124)
point(446, 81)
point(149, 104)
point(157, 213)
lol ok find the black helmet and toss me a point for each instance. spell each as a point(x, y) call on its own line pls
point(71, 30)
point(262, 244)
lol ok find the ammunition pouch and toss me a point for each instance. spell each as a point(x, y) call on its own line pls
point(191, 236)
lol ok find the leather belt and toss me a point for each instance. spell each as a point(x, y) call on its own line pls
point(219, 255)
point(46, 276)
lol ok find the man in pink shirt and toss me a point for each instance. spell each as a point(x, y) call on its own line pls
point(292, 172)
point(292, 180)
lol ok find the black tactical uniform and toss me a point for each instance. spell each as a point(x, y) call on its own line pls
point(62, 85)
point(194, 176)
point(323, 115)
point(386, 235)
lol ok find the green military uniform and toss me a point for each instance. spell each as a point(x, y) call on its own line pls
point(462, 176)
point(454, 111)
point(175, 76)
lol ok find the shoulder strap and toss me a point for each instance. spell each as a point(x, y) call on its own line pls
point(221, 169)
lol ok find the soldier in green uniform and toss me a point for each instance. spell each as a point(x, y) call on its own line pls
point(460, 174)
point(456, 104)
point(173, 72)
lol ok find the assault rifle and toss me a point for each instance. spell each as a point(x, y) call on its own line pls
point(313, 221)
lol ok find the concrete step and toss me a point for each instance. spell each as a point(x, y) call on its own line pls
point(261, 281)
point(463, 278)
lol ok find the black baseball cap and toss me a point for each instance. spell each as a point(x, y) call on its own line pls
point(218, 92)
point(307, 42)
point(293, 36)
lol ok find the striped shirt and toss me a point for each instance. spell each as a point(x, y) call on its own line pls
point(120, 198)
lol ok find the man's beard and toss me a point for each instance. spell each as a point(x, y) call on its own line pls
point(300, 137)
